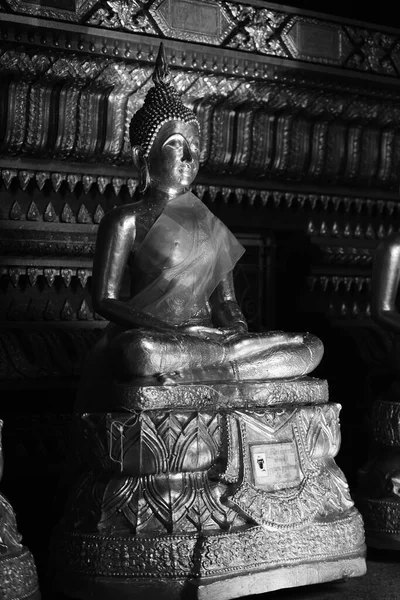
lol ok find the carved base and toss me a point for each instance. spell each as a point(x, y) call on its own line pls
point(224, 395)
point(231, 587)
point(18, 578)
point(214, 502)
point(227, 565)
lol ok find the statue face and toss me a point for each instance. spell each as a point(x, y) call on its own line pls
point(174, 157)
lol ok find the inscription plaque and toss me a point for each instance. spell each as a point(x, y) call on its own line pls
point(188, 16)
point(314, 40)
point(275, 466)
point(65, 10)
point(192, 20)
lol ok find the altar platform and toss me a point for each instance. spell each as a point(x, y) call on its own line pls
point(213, 491)
point(382, 582)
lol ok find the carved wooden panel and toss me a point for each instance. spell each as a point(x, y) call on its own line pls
point(287, 33)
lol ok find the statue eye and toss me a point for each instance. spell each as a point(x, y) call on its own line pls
point(174, 142)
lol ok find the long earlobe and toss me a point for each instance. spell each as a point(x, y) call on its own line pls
point(140, 163)
point(138, 157)
point(144, 178)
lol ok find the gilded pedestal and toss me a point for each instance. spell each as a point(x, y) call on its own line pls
point(209, 491)
point(18, 578)
point(379, 481)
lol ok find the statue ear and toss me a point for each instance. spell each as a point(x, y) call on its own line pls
point(140, 162)
point(139, 159)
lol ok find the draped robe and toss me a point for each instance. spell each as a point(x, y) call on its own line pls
point(184, 256)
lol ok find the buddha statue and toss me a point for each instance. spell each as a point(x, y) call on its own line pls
point(182, 323)
point(205, 453)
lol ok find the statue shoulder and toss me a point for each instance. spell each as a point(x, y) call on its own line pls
point(124, 216)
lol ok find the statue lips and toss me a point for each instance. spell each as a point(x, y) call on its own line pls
point(187, 172)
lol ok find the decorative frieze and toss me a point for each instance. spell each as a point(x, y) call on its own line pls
point(346, 255)
point(84, 179)
point(222, 396)
point(289, 34)
point(50, 215)
point(342, 296)
point(71, 311)
point(356, 284)
point(49, 273)
point(277, 129)
point(349, 229)
point(315, 204)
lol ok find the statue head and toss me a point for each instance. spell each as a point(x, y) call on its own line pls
point(164, 135)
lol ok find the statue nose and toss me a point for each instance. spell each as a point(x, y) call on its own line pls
point(187, 155)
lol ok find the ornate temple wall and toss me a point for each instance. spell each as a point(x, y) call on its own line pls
point(300, 147)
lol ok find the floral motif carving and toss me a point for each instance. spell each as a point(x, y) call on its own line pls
point(176, 503)
point(220, 396)
point(127, 15)
point(152, 469)
point(58, 9)
point(259, 30)
point(322, 431)
point(148, 443)
point(371, 51)
point(172, 556)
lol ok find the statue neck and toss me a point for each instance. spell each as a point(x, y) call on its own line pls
point(162, 197)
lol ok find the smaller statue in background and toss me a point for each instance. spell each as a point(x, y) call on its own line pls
point(10, 539)
point(379, 479)
point(385, 284)
point(18, 579)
